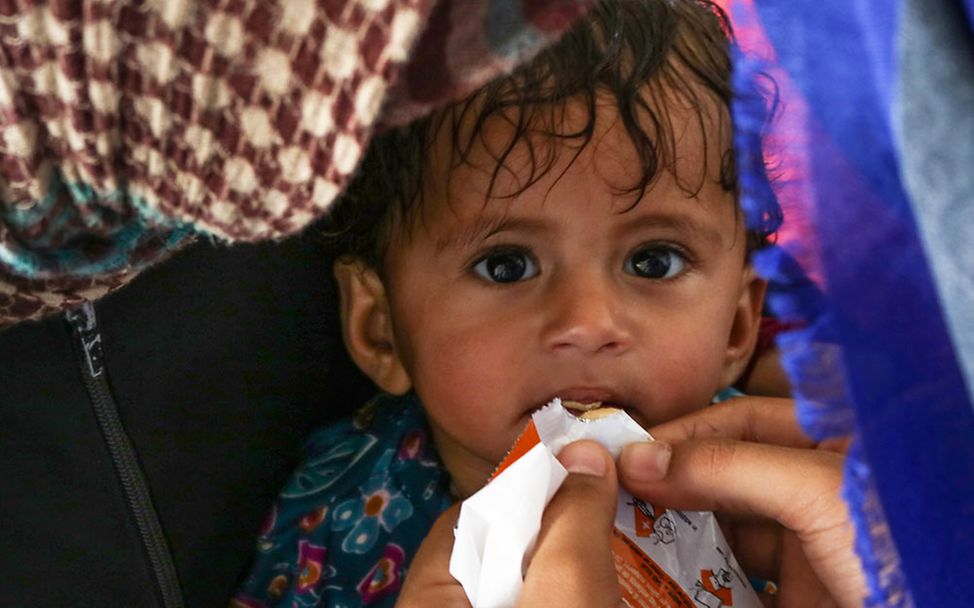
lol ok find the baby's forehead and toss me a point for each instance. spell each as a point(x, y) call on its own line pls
point(663, 116)
point(583, 191)
point(500, 156)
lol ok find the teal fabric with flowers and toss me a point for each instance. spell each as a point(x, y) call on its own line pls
point(343, 530)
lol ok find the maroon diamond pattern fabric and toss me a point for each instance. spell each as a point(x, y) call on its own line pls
point(129, 128)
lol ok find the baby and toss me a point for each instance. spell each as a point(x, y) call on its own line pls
point(571, 230)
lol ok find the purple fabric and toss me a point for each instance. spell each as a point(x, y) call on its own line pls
point(876, 358)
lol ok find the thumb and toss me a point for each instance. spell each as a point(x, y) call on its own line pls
point(572, 564)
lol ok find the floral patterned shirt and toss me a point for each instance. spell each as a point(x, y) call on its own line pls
point(343, 530)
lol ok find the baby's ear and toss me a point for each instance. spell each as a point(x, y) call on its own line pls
point(367, 325)
point(744, 331)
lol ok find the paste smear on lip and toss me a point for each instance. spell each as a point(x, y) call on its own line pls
point(589, 411)
point(663, 557)
point(581, 407)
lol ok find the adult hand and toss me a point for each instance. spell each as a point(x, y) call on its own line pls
point(747, 459)
point(572, 563)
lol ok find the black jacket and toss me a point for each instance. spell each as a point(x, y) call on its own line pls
point(139, 454)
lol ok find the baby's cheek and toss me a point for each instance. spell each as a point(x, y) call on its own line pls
point(480, 436)
point(466, 400)
point(683, 386)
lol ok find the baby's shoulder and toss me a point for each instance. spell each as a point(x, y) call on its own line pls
point(387, 435)
point(361, 501)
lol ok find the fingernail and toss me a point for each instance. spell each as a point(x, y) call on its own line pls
point(583, 457)
point(647, 461)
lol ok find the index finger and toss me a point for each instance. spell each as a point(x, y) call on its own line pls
point(767, 420)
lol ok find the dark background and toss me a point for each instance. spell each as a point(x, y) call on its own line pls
point(221, 361)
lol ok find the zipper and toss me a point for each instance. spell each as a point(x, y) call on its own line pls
point(87, 345)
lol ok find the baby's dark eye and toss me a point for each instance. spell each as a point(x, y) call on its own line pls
point(656, 262)
point(506, 267)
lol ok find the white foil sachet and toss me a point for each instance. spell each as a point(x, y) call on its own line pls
point(663, 557)
point(497, 529)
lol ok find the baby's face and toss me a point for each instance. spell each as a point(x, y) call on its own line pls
point(498, 308)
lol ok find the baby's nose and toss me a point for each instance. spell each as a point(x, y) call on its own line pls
point(586, 321)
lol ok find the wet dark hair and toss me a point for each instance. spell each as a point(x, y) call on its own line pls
point(645, 55)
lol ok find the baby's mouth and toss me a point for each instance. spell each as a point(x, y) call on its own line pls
point(587, 402)
point(578, 408)
point(591, 410)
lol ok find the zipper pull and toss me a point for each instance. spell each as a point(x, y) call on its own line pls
point(85, 325)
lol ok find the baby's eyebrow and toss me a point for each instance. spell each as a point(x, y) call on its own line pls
point(485, 227)
point(677, 223)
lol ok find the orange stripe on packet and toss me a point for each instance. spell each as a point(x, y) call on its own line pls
point(525, 441)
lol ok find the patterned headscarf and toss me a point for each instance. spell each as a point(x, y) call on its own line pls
point(129, 128)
